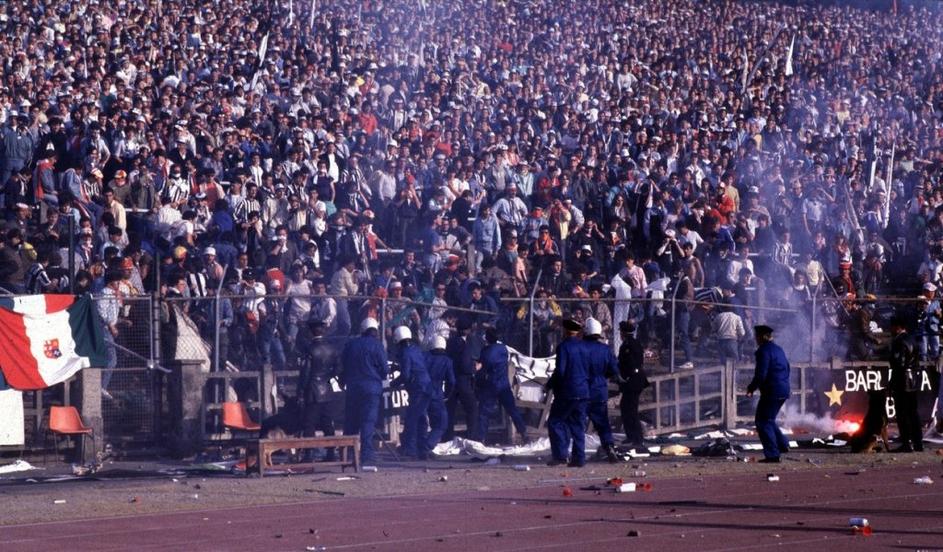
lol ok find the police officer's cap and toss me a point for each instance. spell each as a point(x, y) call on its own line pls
point(763, 330)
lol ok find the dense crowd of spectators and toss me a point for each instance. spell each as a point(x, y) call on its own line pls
point(732, 152)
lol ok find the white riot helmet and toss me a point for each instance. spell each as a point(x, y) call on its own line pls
point(592, 327)
point(401, 333)
point(369, 324)
point(438, 342)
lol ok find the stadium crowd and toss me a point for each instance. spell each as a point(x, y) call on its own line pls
point(742, 154)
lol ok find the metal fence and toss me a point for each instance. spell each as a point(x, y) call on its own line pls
point(246, 345)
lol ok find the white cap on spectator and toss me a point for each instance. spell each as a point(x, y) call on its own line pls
point(209, 251)
point(929, 286)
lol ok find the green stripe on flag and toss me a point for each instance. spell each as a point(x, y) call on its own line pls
point(88, 331)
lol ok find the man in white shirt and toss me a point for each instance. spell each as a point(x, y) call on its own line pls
point(510, 209)
point(728, 329)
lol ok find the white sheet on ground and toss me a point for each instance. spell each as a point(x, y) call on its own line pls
point(18, 466)
point(540, 447)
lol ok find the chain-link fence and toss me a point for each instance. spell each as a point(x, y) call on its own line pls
point(247, 345)
point(132, 406)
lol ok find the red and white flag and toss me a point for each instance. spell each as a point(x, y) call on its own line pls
point(46, 339)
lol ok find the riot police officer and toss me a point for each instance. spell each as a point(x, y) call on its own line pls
point(602, 367)
point(318, 386)
point(442, 376)
point(570, 385)
point(414, 374)
point(365, 370)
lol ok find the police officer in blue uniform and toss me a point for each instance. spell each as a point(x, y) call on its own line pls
point(771, 378)
point(570, 385)
point(602, 367)
point(365, 370)
point(442, 375)
point(494, 387)
point(414, 374)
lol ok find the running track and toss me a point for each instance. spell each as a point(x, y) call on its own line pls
point(809, 509)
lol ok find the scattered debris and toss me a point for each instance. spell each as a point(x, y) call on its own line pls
point(59, 501)
point(521, 467)
point(325, 492)
point(567, 491)
point(675, 450)
point(133, 500)
point(347, 478)
point(18, 466)
point(626, 488)
point(772, 478)
point(865, 531)
point(195, 496)
point(925, 480)
point(443, 478)
point(633, 533)
point(371, 469)
point(858, 522)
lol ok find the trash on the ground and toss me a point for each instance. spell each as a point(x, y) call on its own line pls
point(80, 470)
point(315, 548)
point(347, 478)
point(858, 522)
point(772, 478)
point(615, 481)
point(638, 473)
point(675, 450)
point(751, 446)
point(567, 491)
point(626, 488)
point(195, 496)
point(133, 500)
point(371, 469)
point(633, 533)
point(18, 466)
point(711, 435)
point(925, 480)
point(443, 478)
point(632, 487)
point(521, 467)
point(59, 501)
point(865, 531)
point(715, 448)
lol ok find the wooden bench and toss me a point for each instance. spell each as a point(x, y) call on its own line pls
point(259, 449)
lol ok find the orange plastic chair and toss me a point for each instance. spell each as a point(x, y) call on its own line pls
point(65, 420)
point(235, 416)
